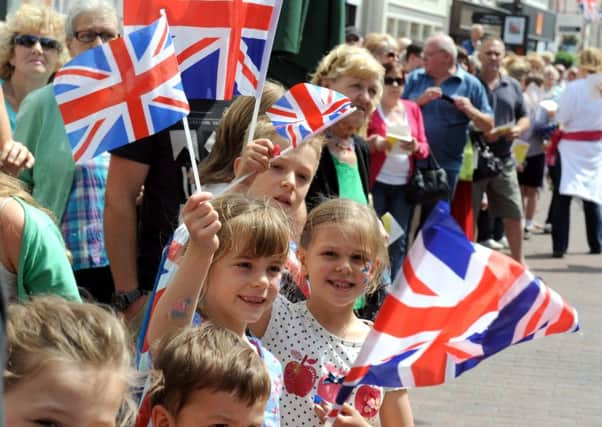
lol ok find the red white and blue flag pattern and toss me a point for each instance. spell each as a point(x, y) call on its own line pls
point(453, 304)
point(590, 10)
point(306, 109)
point(121, 91)
point(223, 46)
point(167, 270)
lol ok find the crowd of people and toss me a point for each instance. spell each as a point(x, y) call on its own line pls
point(287, 260)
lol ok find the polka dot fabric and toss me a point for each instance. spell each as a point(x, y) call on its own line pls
point(315, 363)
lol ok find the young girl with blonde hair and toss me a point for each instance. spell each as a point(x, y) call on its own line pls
point(343, 255)
point(229, 273)
point(68, 364)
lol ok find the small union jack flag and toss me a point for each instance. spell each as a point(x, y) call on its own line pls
point(453, 304)
point(223, 46)
point(306, 109)
point(590, 10)
point(121, 91)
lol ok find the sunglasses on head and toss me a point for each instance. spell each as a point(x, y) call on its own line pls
point(29, 40)
point(391, 80)
point(89, 36)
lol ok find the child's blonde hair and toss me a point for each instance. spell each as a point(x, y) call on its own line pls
point(231, 133)
point(253, 227)
point(265, 129)
point(206, 358)
point(49, 331)
point(359, 219)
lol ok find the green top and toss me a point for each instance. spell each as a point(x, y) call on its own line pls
point(350, 182)
point(40, 127)
point(44, 268)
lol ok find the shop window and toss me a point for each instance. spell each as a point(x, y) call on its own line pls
point(391, 26)
point(415, 32)
point(402, 28)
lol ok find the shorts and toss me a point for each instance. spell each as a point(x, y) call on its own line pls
point(532, 174)
point(503, 193)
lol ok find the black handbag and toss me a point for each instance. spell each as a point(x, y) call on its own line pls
point(488, 165)
point(429, 183)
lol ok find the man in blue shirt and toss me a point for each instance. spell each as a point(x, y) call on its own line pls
point(450, 99)
point(476, 33)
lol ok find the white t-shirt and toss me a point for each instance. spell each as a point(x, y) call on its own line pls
point(314, 362)
point(396, 168)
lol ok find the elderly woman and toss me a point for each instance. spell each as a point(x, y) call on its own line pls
point(345, 162)
point(580, 153)
point(75, 194)
point(31, 50)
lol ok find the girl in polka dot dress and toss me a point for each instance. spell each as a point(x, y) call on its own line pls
point(343, 254)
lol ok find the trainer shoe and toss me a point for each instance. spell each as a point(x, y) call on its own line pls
point(491, 244)
point(504, 243)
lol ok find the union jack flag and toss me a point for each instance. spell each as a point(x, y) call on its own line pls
point(453, 304)
point(590, 10)
point(121, 91)
point(223, 46)
point(306, 109)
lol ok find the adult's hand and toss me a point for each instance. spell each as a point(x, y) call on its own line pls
point(15, 157)
point(432, 93)
point(377, 143)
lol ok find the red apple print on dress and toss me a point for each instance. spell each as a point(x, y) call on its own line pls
point(330, 383)
point(367, 401)
point(299, 378)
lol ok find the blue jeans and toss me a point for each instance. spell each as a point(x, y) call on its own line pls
point(392, 199)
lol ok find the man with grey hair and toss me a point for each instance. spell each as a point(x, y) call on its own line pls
point(476, 34)
point(75, 193)
point(450, 98)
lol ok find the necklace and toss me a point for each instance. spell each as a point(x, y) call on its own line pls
point(341, 144)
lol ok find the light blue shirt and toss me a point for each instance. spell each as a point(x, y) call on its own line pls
point(446, 127)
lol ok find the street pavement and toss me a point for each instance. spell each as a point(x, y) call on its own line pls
point(554, 381)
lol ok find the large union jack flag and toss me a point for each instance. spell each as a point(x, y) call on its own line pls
point(121, 91)
point(223, 46)
point(453, 304)
point(306, 109)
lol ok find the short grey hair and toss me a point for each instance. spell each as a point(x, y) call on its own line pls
point(445, 43)
point(100, 7)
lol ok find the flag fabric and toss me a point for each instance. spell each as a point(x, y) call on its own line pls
point(222, 46)
point(590, 10)
point(453, 304)
point(121, 91)
point(306, 109)
point(167, 270)
point(168, 267)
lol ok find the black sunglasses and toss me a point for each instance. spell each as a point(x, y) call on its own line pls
point(390, 80)
point(29, 40)
point(89, 36)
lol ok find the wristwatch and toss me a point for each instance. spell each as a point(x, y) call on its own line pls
point(122, 300)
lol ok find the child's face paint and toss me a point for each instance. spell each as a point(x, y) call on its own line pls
point(337, 264)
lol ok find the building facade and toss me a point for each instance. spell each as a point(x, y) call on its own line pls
point(416, 20)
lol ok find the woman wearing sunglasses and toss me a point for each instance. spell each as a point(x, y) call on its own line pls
point(31, 50)
point(398, 132)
